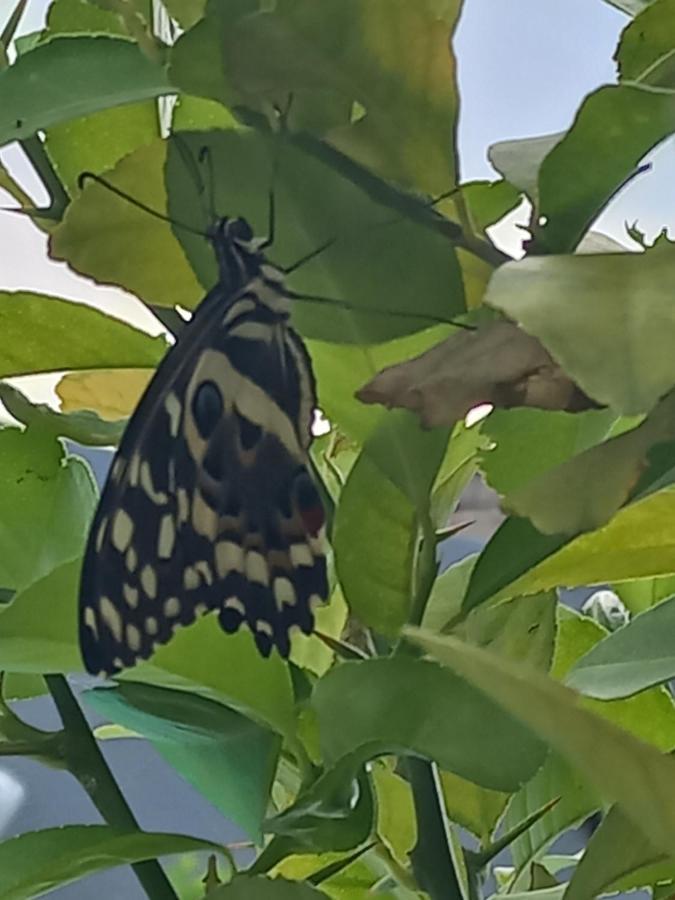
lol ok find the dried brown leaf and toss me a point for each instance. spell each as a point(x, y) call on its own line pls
point(497, 363)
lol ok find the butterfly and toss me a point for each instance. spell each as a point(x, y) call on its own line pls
point(209, 505)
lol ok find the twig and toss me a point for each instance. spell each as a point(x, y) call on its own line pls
point(431, 857)
point(87, 764)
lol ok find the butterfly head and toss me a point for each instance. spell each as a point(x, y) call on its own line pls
point(238, 251)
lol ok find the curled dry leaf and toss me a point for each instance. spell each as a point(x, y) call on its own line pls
point(497, 363)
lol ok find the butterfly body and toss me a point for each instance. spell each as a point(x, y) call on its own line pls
point(209, 505)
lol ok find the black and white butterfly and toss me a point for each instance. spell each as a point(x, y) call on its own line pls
point(209, 504)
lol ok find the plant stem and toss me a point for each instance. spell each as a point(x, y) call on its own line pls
point(431, 857)
point(87, 764)
point(59, 199)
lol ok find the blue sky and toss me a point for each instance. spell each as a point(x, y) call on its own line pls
point(525, 66)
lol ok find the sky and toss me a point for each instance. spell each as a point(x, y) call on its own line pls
point(524, 67)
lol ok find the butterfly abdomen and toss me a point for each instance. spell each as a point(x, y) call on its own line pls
point(209, 505)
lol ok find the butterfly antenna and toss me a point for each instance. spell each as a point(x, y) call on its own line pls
point(84, 177)
point(190, 166)
point(205, 159)
point(399, 314)
point(317, 251)
point(282, 130)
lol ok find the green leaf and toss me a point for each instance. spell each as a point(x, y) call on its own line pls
point(375, 532)
point(334, 813)
point(202, 659)
point(408, 455)
point(47, 334)
point(619, 857)
point(227, 757)
point(458, 467)
point(614, 129)
point(341, 369)
point(584, 492)
point(637, 543)
point(115, 242)
point(519, 161)
point(197, 58)
point(353, 50)
point(309, 651)
point(85, 426)
point(69, 77)
point(38, 629)
point(512, 552)
point(37, 862)
point(631, 659)
point(623, 768)
point(74, 17)
point(352, 882)
point(20, 686)
point(475, 808)
point(550, 893)
point(96, 142)
point(522, 629)
point(447, 593)
point(629, 326)
point(650, 715)
point(396, 825)
point(378, 264)
point(185, 12)
point(530, 442)
point(577, 800)
point(489, 201)
point(374, 539)
point(47, 498)
point(645, 52)
point(643, 593)
point(374, 707)
point(243, 887)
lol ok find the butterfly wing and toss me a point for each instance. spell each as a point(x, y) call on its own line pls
point(209, 504)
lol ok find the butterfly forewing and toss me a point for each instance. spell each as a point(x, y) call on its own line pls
point(209, 505)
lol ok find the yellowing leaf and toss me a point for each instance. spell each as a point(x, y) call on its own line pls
point(112, 393)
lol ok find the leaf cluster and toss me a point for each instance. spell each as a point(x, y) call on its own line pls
point(429, 704)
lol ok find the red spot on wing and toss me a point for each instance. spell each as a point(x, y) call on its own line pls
point(313, 518)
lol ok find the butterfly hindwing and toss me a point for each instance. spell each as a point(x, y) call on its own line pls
point(209, 504)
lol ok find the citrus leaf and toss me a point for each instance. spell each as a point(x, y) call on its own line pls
point(388, 270)
point(202, 659)
point(68, 77)
point(115, 242)
point(645, 52)
point(631, 659)
point(112, 394)
point(585, 491)
point(47, 334)
point(85, 427)
point(373, 707)
point(244, 887)
point(630, 326)
point(37, 862)
point(227, 757)
point(602, 870)
point(38, 629)
point(637, 543)
point(47, 498)
point(621, 767)
point(614, 129)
